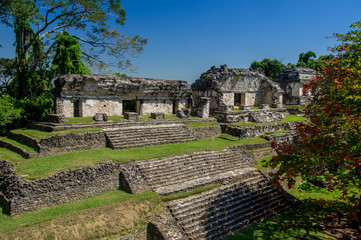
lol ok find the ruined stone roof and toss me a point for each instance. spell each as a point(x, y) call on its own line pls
point(230, 79)
point(298, 74)
point(98, 85)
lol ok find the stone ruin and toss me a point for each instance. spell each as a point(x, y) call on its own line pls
point(229, 87)
point(85, 95)
point(292, 81)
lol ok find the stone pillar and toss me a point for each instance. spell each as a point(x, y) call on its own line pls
point(203, 111)
point(58, 105)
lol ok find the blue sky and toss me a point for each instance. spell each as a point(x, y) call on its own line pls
point(187, 37)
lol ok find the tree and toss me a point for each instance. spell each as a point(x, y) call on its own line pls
point(329, 146)
point(270, 67)
point(7, 72)
point(36, 22)
point(67, 57)
point(304, 59)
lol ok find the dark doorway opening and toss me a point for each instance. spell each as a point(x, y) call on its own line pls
point(175, 106)
point(129, 105)
point(77, 108)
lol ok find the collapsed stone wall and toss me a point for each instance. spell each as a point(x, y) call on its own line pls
point(259, 116)
point(20, 195)
point(244, 132)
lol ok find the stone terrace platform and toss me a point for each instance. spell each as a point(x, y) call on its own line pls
point(216, 213)
point(182, 173)
point(46, 126)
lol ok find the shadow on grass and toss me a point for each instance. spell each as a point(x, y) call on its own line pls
point(300, 222)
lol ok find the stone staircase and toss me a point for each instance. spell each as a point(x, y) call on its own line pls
point(216, 213)
point(182, 173)
point(140, 136)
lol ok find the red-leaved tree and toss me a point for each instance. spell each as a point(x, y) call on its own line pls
point(330, 144)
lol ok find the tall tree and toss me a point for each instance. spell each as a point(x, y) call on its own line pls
point(330, 144)
point(7, 72)
point(67, 59)
point(270, 67)
point(93, 23)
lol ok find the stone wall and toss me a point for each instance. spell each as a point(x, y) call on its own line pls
point(110, 106)
point(206, 132)
point(257, 130)
point(85, 95)
point(20, 195)
point(92, 140)
point(26, 140)
point(149, 106)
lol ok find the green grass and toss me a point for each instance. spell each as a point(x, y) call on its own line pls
point(229, 136)
point(9, 223)
point(276, 132)
point(35, 168)
point(202, 124)
point(296, 106)
point(23, 146)
point(191, 192)
point(38, 135)
point(289, 118)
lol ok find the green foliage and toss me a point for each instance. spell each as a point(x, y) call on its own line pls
point(9, 114)
point(67, 56)
point(331, 143)
point(7, 72)
point(270, 67)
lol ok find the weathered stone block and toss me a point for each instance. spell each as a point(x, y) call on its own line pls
point(244, 107)
point(55, 118)
point(183, 113)
point(157, 115)
point(264, 106)
point(131, 116)
point(98, 117)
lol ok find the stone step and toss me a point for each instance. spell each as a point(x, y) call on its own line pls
point(185, 160)
point(201, 181)
point(199, 198)
point(193, 202)
point(229, 213)
point(153, 138)
point(207, 163)
point(236, 222)
point(146, 133)
point(188, 174)
point(221, 206)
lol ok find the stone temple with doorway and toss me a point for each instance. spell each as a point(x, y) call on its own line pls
point(85, 95)
point(229, 87)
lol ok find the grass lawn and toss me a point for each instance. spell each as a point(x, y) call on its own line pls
point(38, 135)
point(112, 214)
point(35, 168)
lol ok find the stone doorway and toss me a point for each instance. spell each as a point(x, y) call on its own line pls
point(175, 106)
point(129, 106)
point(78, 110)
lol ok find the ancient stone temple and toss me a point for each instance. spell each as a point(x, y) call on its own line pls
point(84, 95)
point(229, 87)
point(292, 81)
